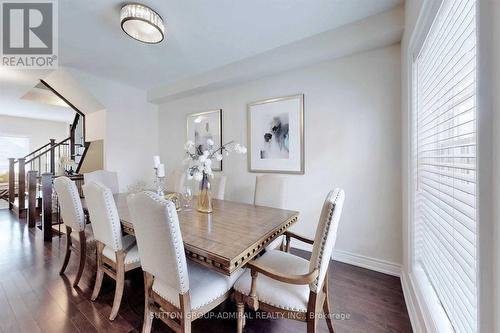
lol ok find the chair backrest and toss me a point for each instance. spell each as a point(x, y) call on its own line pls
point(218, 186)
point(106, 178)
point(70, 203)
point(159, 239)
point(175, 181)
point(103, 215)
point(270, 191)
point(326, 234)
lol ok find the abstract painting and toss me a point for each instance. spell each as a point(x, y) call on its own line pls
point(276, 135)
point(204, 126)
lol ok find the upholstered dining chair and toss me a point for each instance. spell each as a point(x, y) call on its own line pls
point(116, 254)
point(270, 191)
point(73, 218)
point(174, 286)
point(175, 181)
point(281, 282)
point(107, 178)
point(218, 186)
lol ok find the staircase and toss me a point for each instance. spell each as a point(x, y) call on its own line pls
point(52, 159)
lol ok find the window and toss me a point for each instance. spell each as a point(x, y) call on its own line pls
point(12, 146)
point(445, 165)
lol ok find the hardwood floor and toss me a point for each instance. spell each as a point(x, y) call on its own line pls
point(34, 298)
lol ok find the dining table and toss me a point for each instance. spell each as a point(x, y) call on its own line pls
point(226, 239)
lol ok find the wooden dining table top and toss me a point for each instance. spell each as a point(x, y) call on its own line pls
point(225, 239)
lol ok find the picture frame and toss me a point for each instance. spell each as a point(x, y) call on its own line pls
point(206, 125)
point(276, 135)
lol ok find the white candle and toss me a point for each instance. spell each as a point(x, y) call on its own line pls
point(156, 161)
point(161, 170)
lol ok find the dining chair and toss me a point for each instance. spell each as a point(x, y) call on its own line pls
point(116, 254)
point(175, 181)
point(73, 218)
point(107, 178)
point(270, 192)
point(280, 282)
point(177, 290)
point(218, 186)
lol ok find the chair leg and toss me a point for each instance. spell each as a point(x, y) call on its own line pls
point(120, 283)
point(326, 307)
point(185, 307)
point(312, 324)
point(148, 315)
point(68, 251)
point(240, 306)
point(312, 307)
point(100, 272)
point(83, 256)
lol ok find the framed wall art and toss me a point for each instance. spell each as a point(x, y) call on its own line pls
point(203, 126)
point(276, 135)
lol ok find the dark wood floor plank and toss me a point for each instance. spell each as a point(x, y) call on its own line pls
point(35, 298)
point(8, 321)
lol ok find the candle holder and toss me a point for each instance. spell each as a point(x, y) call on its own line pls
point(159, 183)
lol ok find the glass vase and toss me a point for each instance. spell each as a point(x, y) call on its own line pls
point(204, 197)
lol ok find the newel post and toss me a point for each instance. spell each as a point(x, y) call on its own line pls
point(12, 183)
point(47, 206)
point(32, 181)
point(21, 180)
point(52, 156)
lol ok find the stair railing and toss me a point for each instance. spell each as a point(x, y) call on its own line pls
point(52, 158)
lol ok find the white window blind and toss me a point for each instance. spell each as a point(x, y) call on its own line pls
point(445, 161)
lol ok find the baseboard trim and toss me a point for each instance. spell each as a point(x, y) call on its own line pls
point(412, 304)
point(377, 265)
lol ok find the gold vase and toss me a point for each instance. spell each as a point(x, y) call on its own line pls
point(204, 197)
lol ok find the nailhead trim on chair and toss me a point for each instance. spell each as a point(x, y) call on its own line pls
point(263, 300)
point(115, 225)
point(170, 206)
point(323, 240)
point(75, 197)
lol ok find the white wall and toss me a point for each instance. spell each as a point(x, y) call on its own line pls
point(39, 131)
point(95, 126)
point(352, 126)
point(129, 127)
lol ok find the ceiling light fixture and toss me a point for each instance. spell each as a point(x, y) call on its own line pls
point(142, 23)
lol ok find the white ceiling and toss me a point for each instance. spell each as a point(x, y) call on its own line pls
point(201, 35)
point(14, 84)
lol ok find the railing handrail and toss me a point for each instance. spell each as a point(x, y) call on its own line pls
point(48, 150)
point(75, 121)
point(37, 150)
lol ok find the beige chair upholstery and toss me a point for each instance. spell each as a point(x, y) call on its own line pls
point(103, 215)
point(326, 236)
point(161, 248)
point(279, 294)
point(175, 181)
point(218, 186)
point(270, 192)
point(69, 203)
point(106, 178)
point(300, 298)
point(73, 218)
point(116, 254)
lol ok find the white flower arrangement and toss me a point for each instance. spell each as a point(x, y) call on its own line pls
point(200, 162)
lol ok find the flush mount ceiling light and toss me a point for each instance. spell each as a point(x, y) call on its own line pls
point(142, 23)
